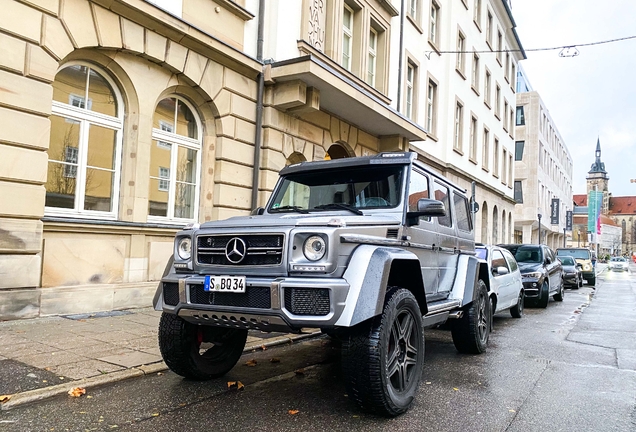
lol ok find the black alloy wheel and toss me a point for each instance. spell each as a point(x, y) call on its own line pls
point(382, 359)
point(471, 331)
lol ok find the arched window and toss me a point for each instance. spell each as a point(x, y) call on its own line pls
point(337, 151)
point(484, 223)
point(495, 226)
point(175, 161)
point(85, 149)
point(504, 239)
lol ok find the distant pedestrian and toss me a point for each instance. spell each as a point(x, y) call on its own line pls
point(594, 261)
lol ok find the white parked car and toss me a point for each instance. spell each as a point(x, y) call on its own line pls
point(506, 288)
point(618, 263)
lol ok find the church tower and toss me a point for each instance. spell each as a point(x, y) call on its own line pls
point(597, 176)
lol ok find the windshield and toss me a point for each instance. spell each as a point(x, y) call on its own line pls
point(567, 261)
point(481, 253)
point(526, 254)
point(575, 253)
point(368, 187)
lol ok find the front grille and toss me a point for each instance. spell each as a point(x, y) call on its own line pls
point(260, 249)
point(307, 301)
point(253, 297)
point(171, 293)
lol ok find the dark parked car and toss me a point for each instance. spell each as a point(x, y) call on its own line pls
point(572, 272)
point(541, 271)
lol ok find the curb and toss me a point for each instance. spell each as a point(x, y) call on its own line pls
point(36, 395)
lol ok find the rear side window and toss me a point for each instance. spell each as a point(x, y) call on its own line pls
point(462, 212)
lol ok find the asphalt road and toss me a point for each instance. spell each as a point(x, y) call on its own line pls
point(570, 367)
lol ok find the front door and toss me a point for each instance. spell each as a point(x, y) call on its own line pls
point(447, 240)
point(423, 236)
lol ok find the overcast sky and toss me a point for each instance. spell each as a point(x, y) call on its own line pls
point(591, 95)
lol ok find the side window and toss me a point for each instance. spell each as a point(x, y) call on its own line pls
point(512, 262)
point(418, 189)
point(498, 260)
point(464, 222)
point(441, 194)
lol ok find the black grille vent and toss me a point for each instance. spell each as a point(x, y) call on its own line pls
point(392, 233)
point(307, 301)
point(254, 297)
point(260, 250)
point(171, 293)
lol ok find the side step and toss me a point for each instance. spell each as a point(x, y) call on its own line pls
point(439, 313)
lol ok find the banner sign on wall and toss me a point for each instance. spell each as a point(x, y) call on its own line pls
point(554, 211)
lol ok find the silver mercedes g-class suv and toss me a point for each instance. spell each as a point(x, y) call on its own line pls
point(370, 249)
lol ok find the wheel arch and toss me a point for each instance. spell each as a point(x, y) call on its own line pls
point(370, 271)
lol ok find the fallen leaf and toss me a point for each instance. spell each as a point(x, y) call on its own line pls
point(251, 363)
point(89, 397)
point(159, 373)
point(235, 385)
point(274, 360)
point(263, 347)
point(155, 414)
point(512, 411)
point(428, 383)
point(47, 368)
point(44, 381)
point(4, 398)
point(77, 392)
point(455, 388)
point(300, 371)
point(293, 412)
point(356, 416)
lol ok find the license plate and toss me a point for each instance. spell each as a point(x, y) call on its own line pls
point(233, 284)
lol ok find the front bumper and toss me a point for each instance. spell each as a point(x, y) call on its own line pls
point(571, 279)
point(532, 287)
point(618, 268)
point(284, 304)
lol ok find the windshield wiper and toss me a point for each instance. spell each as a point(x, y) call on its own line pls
point(340, 206)
point(291, 207)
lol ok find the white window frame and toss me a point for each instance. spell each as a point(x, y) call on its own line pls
point(431, 106)
point(410, 89)
point(461, 56)
point(372, 57)
point(433, 30)
point(85, 118)
point(459, 120)
point(164, 173)
point(347, 34)
point(175, 141)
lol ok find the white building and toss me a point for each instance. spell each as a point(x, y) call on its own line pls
point(543, 171)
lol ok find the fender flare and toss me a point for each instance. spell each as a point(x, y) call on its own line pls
point(469, 270)
point(157, 301)
point(368, 275)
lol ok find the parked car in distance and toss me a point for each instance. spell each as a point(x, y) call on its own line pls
point(572, 272)
point(582, 256)
point(541, 273)
point(506, 288)
point(618, 264)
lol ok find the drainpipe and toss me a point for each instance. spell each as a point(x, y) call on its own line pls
point(400, 60)
point(259, 105)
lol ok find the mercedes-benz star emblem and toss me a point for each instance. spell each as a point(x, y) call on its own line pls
point(235, 250)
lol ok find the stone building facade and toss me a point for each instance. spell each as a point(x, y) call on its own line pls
point(121, 121)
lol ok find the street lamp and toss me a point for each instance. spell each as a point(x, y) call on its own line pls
point(539, 216)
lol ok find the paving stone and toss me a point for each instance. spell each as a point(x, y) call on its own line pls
point(85, 369)
point(18, 351)
point(56, 358)
point(73, 343)
point(133, 359)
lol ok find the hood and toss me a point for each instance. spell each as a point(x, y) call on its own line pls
point(321, 219)
point(529, 267)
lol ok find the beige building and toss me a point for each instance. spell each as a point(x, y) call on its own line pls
point(543, 172)
point(121, 121)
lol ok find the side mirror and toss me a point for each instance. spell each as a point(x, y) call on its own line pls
point(426, 207)
point(501, 271)
point(258, 211)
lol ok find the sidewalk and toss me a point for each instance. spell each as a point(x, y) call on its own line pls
point(44, 357)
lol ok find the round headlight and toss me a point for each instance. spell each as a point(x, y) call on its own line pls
point(184, 248)
point(314, 248)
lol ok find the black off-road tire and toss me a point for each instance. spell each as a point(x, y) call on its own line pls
point(517, 310)
point(561, 293)
point(376, 354)
point(470, 332)
point(544, 295)
point(180, 343)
